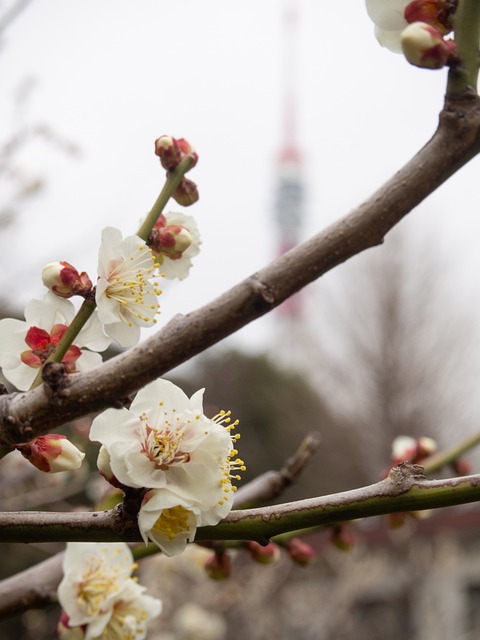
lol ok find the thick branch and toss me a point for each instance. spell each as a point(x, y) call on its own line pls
point(25, 415)
point(405, 489)
point(32, 588)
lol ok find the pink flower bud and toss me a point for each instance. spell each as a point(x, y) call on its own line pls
point(171, 240)
point(172, 151)
point(219, 566)
point(188, 150)
point(404, 448)
point(342, 538)
point(65, 281)
point(396, 520)
point(168, 150)
point(268, 554)
point(425, 447)
point(186, 193)
point(301, 552)
point(52, 453)
point(424, 46)
point(436, 13)
point(462, 467)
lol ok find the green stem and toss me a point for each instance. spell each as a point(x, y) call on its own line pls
point(174, 178)
point(444, 458)
point(79, 321)
point(463, 78)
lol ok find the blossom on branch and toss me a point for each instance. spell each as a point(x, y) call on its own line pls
point(99, 598)
point(175, 240)
point(126, 299)
point(26, 345)
point(391, 17)
point(186, 461)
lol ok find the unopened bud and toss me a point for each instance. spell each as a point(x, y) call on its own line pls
point(404, 448)
point(396, 520)
point(425, 447)
point(424, 46)
point(461, 467)
point(219, 566)
point(65, 281)
point(342, 538)
point(167, 149)
point(188, 150)
point(186, 193)
point(52, 453)
point(301, 552)
point(172, 240)
point(268, 554)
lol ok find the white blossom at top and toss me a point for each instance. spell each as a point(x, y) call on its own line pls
point(99, 597)
point(25, 345)
point(388, 17)
point(126, 299)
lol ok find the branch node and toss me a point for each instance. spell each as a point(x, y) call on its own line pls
point(54, 376)
point(263, 291)
point(405, 475)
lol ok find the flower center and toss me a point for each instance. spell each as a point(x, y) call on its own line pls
point(172, 522)
point(163, 446)
point(129, 285)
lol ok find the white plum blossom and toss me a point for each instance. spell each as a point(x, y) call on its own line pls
point(175, 239)
point(126, 298)
point(388, 17)
point(93, 576)
point(99, 598)
point(167, 523)
point(164, 443)
point(25, 345)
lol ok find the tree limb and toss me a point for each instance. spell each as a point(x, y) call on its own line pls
point(27, 415)
point(405, 489)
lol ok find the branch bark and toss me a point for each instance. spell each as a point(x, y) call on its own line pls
point(405, 489)
point(24, 416)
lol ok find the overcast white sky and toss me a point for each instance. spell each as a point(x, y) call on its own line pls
point(113, 75)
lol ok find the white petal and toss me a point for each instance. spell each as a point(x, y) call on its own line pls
point(387, 14)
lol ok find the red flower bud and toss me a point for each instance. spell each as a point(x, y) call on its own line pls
point(65, 281)
point(219, 566)
point(52, 453)
point(301, 552)
point(268, 554)
point(186, 193)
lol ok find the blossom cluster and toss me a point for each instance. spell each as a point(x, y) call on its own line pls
point(124, 299)
point(416, 28)
point(99, 598)
point(182, 461)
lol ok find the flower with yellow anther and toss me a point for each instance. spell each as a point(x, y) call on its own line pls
point(126, 293)
point(98, 596)
point(165, 444)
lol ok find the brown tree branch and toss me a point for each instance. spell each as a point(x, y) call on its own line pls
point(457, 139)
point(33, 588)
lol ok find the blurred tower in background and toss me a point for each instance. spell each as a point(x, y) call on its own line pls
point(290, 194)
